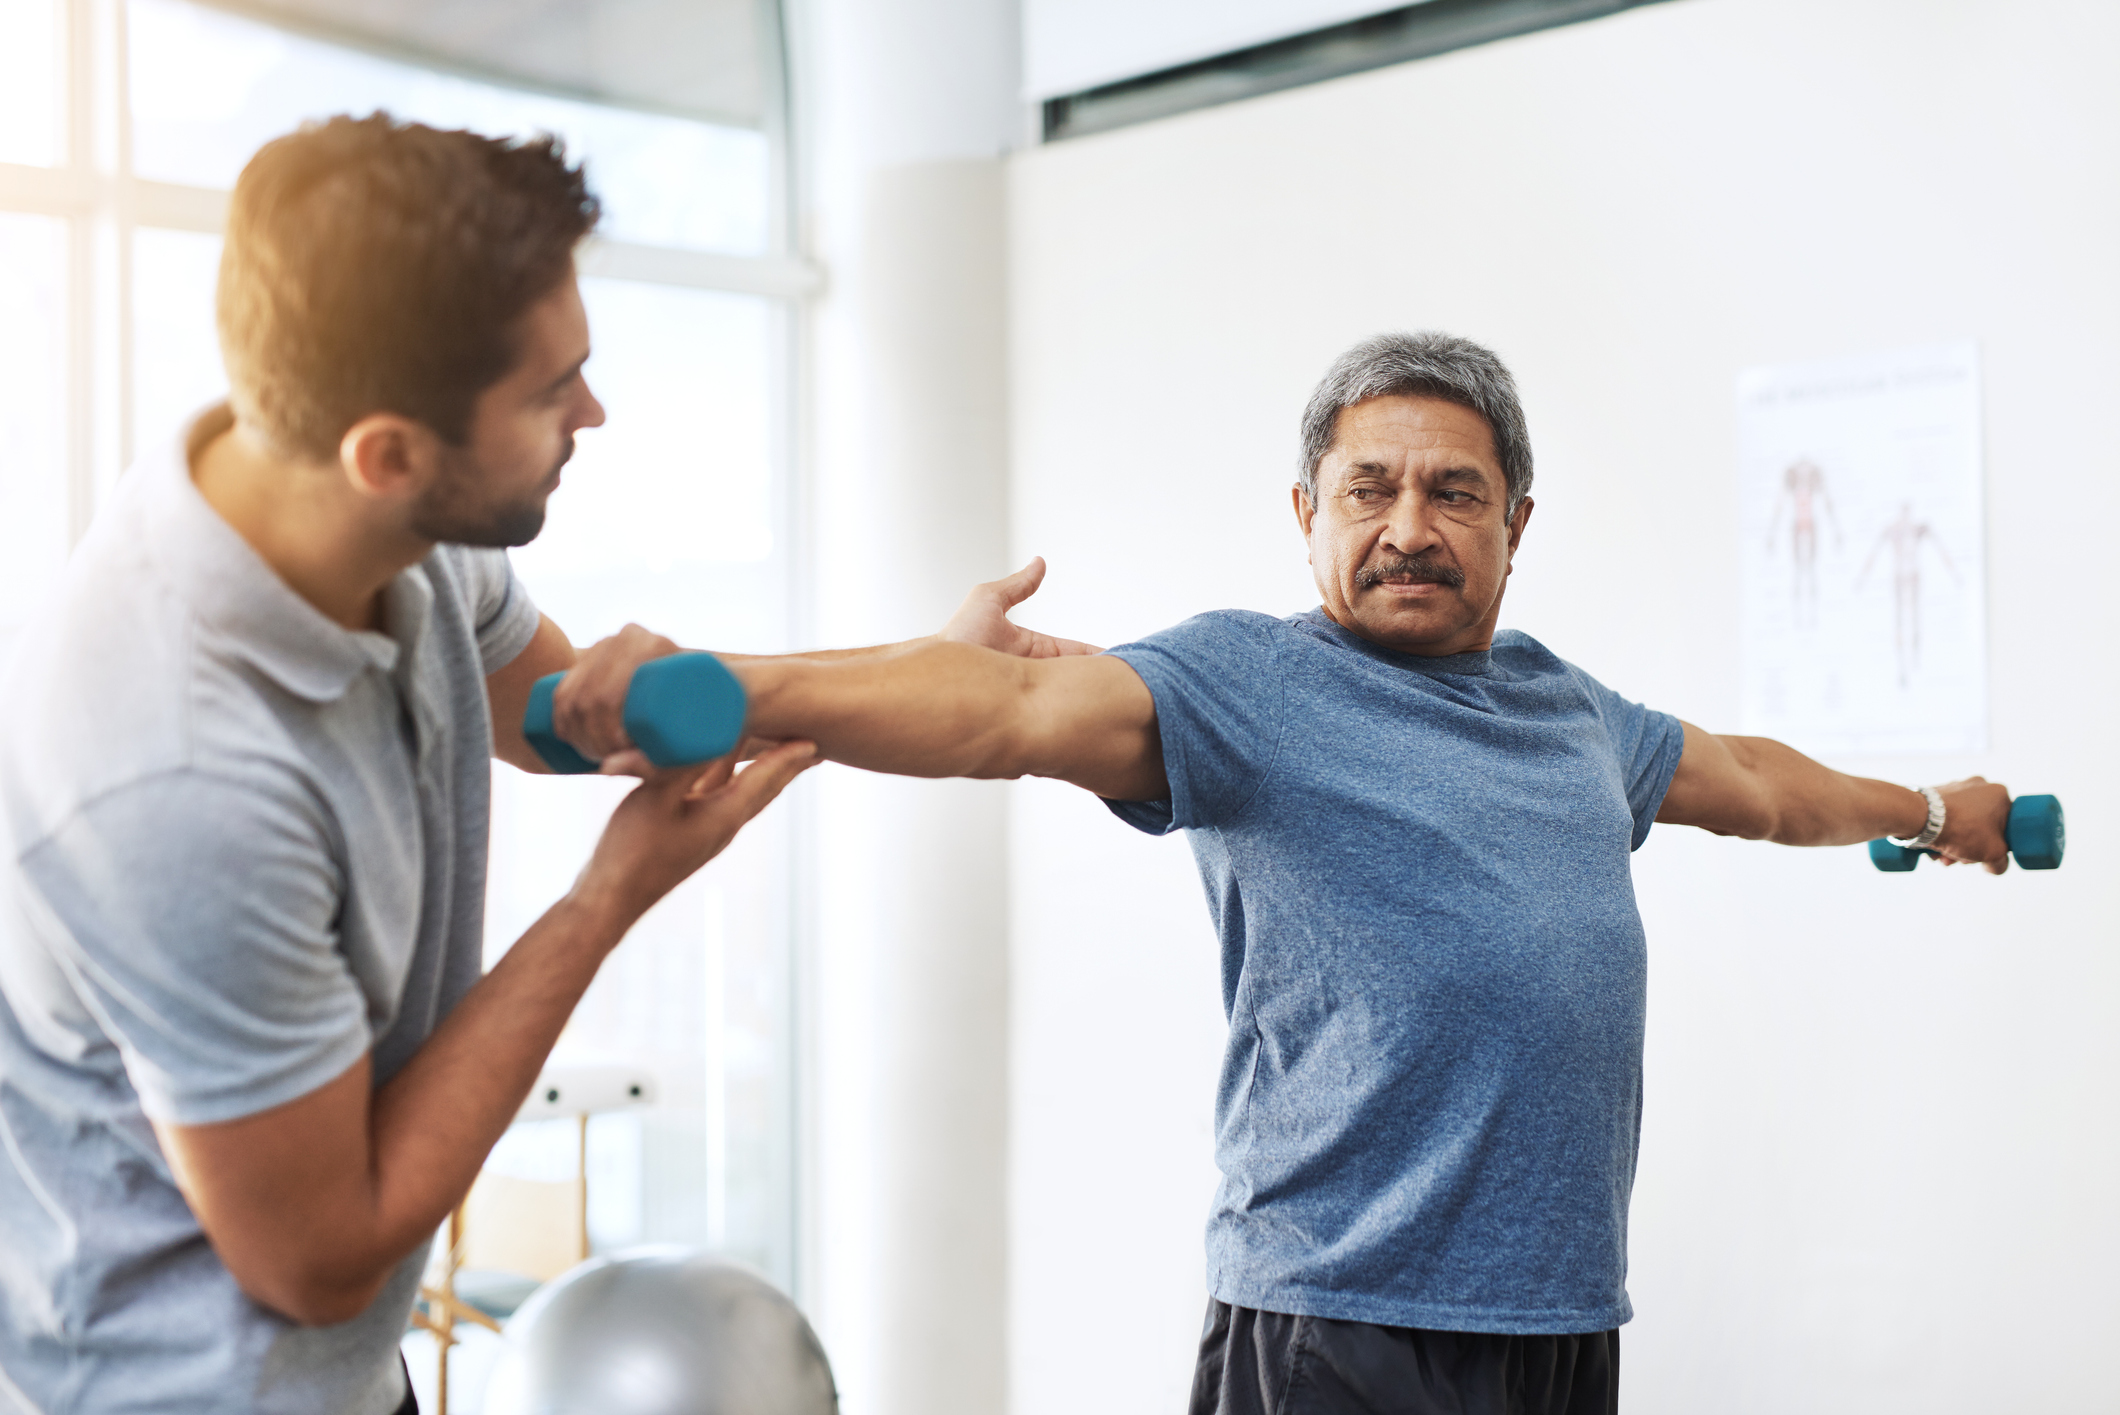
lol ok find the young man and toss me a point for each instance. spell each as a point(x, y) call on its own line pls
point(1414, 832)
point(247, 1060)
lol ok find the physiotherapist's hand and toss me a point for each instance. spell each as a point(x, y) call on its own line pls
point(677, 820)
point(589, 706)
point(1976, 817)
point(983, 619)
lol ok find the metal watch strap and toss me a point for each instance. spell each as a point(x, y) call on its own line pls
point(1933, 829)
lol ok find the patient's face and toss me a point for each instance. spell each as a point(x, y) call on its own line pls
point(492, 490)
point(1410, 538)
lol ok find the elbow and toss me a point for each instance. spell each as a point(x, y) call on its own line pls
point(312, 1297)
point(1800, 825)
point(980, 763)
point(996, 754)
point(327, 1305)
point(330, 1309)
point(1753, 816)
point(1001, 743)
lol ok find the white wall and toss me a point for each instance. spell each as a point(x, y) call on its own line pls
point(903, 109)
point(1877, 1164)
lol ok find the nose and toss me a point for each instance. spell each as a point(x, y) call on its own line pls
point(1410, 528)
point(593, 409)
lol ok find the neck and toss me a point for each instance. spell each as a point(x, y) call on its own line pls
point(307, 522)
point(1477, 639)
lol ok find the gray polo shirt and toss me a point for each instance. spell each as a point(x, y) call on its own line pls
point(240, 846)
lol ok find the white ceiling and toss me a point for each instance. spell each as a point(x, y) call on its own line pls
point(702, 57)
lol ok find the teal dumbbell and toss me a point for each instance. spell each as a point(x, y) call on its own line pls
point(681, 709)
point(2037, 836)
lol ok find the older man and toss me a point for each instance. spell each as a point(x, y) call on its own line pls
point(1414, 832)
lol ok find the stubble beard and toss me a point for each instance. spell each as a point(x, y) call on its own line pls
point(453, 512)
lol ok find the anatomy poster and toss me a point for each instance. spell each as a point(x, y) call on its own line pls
point(1859, 502)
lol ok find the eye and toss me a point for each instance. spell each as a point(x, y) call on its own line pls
point(1366, 493)
point(1453, 496)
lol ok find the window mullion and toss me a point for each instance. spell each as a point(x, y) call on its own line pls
point(80, 164)
point(123, 216)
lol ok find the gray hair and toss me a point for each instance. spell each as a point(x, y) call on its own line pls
point(1428, 365)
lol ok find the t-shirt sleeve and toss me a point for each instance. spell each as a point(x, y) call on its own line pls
point(197, 920)
point(501, 609)
point(1647, 745)
point(1218, 713)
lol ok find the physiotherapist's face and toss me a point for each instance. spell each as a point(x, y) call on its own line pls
point(492, 491)
point(1410, 538)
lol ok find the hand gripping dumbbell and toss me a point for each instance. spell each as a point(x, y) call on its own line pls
point(2036, 833)
point(681, 709)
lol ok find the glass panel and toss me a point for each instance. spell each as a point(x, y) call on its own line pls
point(208, 89)
point(666, 517)
point(176, 354)
point(676, 486)
point(33, 463)
point(32, 69)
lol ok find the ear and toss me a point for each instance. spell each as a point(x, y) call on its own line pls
point(1521, 519)
point(1304, 510)
point(388, 457)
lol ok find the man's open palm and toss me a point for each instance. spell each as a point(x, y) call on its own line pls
point(983, 618)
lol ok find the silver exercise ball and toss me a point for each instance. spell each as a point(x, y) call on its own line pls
point(661, 1331)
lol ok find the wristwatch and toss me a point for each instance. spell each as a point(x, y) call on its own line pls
point(1930, 832)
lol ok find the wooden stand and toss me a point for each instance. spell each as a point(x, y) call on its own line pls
point(444, 1309)
point(561, 1091)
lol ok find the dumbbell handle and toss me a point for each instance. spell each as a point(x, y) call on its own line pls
point(681, 709)
point(2037, 834)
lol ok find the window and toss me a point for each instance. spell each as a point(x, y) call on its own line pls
point(1420, 30)
point(675, 514)
point(33, 362)
point(32, 74)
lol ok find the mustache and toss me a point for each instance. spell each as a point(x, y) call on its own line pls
point(1420, 569)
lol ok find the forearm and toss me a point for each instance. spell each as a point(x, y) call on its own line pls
point(1809, 803)
point(313, 1203)
point(316, 1229)
point(828, 655)
point(433, 1123)
point(931, 709)
point(430, 1128)
point(508, 690)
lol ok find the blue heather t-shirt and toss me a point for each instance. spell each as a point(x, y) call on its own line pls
point(1432, 965)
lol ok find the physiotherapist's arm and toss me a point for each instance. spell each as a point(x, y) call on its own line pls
point(1760, 789)
point(313, 1204)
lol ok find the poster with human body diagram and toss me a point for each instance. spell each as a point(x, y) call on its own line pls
point(1860, 511)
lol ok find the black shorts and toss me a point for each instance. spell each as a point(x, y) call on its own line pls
point(1267, 1363)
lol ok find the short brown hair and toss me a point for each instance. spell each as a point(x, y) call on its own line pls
point(376, 266)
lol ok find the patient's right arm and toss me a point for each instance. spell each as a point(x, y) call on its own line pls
point(949, 709)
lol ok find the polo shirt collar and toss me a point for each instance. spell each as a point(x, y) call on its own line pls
point(246, 607)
